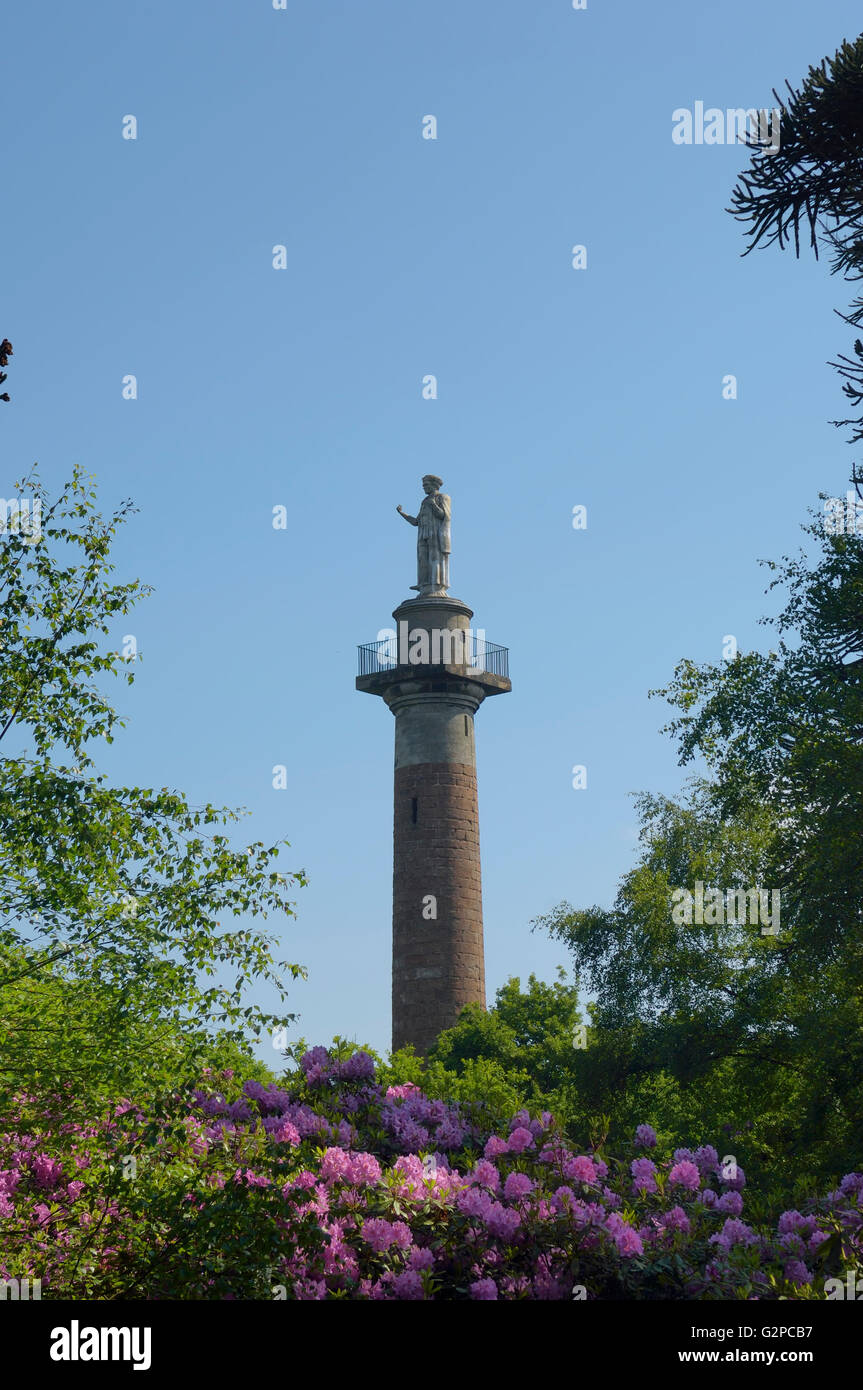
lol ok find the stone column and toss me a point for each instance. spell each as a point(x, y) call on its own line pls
point(438, 962)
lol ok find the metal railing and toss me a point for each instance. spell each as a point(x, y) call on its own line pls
point(468, 651)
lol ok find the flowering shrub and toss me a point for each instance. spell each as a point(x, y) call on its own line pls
point(325, 1186)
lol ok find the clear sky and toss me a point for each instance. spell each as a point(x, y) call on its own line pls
point(302, 387)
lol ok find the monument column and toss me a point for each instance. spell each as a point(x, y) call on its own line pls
point(433, 676)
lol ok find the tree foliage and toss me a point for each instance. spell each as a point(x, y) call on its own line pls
point(5, 354)
point(777, 1016)
point(123, 911)
point(813, 183)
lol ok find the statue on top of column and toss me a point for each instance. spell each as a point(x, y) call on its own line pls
point(433, 539)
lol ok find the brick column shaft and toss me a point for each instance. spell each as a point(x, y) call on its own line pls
point(438, 963)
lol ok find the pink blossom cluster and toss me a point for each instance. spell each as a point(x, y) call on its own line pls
point(351, 1190)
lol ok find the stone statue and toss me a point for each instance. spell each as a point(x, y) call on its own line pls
point(433, 539)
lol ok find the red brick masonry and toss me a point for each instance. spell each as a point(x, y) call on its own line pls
point(438, 964)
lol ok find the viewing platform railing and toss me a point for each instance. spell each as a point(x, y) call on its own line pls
point(466, 650)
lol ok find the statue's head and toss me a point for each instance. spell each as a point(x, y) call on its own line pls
point(431, 483)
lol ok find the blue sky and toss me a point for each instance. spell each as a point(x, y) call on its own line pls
point(303, 387)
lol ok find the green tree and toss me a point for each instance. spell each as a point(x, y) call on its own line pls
point(518, 1053)
point(814, 181)
point(773, 1017)
point(5, 354)
point(531, 1033)
point(682, 1007)
point(813, 184)
point(786, 729)
point(123, 949)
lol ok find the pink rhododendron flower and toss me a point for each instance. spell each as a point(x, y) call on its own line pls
point(547, 1287)
point(707, 1160)
point(685, 1174)
point(495, 1147)
point(407, 1284)
point(250, 1178)
point(564, 1199)
point(628, 1242)
point(554, 1152)
point(515, 1284)
point(736, 1179)
point(335, 1164)
point(402, 1237)
point(402, 1092)
point(733, 1233)
point(517, 1185)
point(519, 1140)
point(475, 1202)
point(305, 1179)
point(485, 1173)
point(642, 1167)
point(580, 1169)
point(360, 1066)
point(381, 1234)
point(484, 1290)
point(675, 1219)
point(643, 1170)
point(502, 1222)
point(645, 1137)
point(46, 1173)
point(410, 1166)
point(797, 1273)
point(731, 1203)
point(364, 1169)
point(792, 1221)
point(315, 1057)
point(852, 1185)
